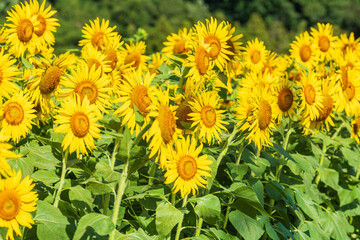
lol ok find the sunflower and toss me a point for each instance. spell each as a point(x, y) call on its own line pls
point(47, 24)
point(163, 131)
point(77, 118)
point(17, 200)
point(233, 43)
point(345, 43)
point(21, 28)
point(157, 59)
point(135, 91)
point(111, 50)
point(355, 133)
point(257, 108)
point(133, 56)
point(349, 96)
point(95, 58)
point(16, 116)
point(2, 36)
point(216, 36)
point(186, 168)
point(325, 41)
point(7, 75)
point(274, 64)
point(5, 153)
point(88, 82)
point(311, 95)
point(177, 44)
point(303, 51)
point(254, 55)
point(97, 34)
point(206, 116)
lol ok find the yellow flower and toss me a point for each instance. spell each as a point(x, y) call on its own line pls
point(157, 60)
point(133, 56)
point(111, 50)
point(325, 41)
point(349, 95)
point(16, 116)
point(17, 200)
point(355, 133)
point(177, 44)
point(5, 153)
point(77, 118)
point(303, 51)
point(8, 74)
point(274, 64)
point(345, 43)
point(95, 58)
point(186, 168)
point(255, 55)
point(206, 116)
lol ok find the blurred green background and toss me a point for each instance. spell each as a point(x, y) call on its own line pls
point(275, 22)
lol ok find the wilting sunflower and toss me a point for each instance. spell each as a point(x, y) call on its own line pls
point(47, 24)
point(311, 95)
point(21, 27)
point(97, 34)
point(303, 51)
point(135, 91)
point(186, 168)
point(206, 116)
point(255, 54)
point(16, 116)
point(17, 200)
point(77, 118)
point(88, 82)
point(133, 56)
point(177, 44)
point(216, 36)
point(7, 75)
point(325, 41)
point(355, 133)
point(163, 131)
point(95, 58)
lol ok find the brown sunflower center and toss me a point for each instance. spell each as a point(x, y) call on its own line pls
point(87, 88)
point(141, 99)
point(350, 91)
point(344, 78)
point(255, 56)
point(187, 167)
point(231, 49)
point(328, 104)
point(324, 43)
point(215, 45)
point(97, 40)
point(25, 30)
point(50, 80)
point(182, 114)
point(310, 94)
point(305, 53)
point(41, 26)
point(167, 123)
point(133, 58)
point(93, 62)
point(111, 56)
point(285, 99)
point(356, 126)
point(179, 47)
point(10, 204)
point(264, 114)
point(201, 60)
point(80, 124)
point(208, 116)
point(13, 113)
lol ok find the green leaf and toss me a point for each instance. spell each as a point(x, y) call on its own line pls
point(335, 223)
point(167, 216)
point(51, 224)
point(43, 157)
point(330, 177)
point(270, 231)
point(25, 164)
point(282, 151)
point(125, 146)
point(101, 224)
point(353, 157)
point(237, 170)
point(213, 172)
point(104, 170)
point(46, 177)
point(26, 63)
point(208, 207)
point(80, 197)
point(247, 227)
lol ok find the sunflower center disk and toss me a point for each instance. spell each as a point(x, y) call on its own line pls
point(187, 167)
point(179, 47)
point(350, 91)
point(167, 123)
point(87, 88)
point(9, 205)
point(305, 53)
point(255, 56)
point(324, 43)
point(344, 78)
point(310, 94)
point(328, 104)
point(264, 114)
point(356, 126)
point(285, 99)
point(182, 114)
point(80, 124)
point(215, 46)
point(25, 30)
point(208, 116)
point(201, 60)
point(231, 49)
point(112, 57)
point(50, 80)
point(98, 40)
point(141, 99)
point(14, 113)
point(133, 58)
point(42, 26)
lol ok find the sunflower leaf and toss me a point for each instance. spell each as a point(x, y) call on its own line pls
point(167, 216)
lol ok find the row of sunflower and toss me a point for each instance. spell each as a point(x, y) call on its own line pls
point(173, 102)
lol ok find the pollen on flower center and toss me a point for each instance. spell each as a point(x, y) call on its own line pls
point(87, 88)
point(285, 99)
point(41, 26)
point(208, 116)
point(50, 80)
point(80, 124)
point(13, 113)
point(141, 99)
point(10, 205)
point(167, 123)
point(25, 30)
point(186, 167)
point(310, 94)
point(264, 114)
point(215, 46)
point(305, 53)
point(201, 60)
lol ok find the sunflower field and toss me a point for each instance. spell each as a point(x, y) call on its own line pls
point(210, 139)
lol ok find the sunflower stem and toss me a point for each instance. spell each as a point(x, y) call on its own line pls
point(226, 146)
point(116, 149)
point(152, 173)
point(62, 178)
point(227, 213)
point(178, 230)
point(317, 179)
point(198, 227)
point(142, 132)
point(286, 141)
point(118, 198)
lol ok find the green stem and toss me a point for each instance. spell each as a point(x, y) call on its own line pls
point(178, 230)
point(142, 132)
point(287, 137)
point(227, 212)
point(152, 173)
point(198, 227)
point(338, 130)
point(106, 201)
point(317, 179)
point(115, 151)
point(118, 198)
point(226, 146)
point(62, 178)
point(173, 198)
